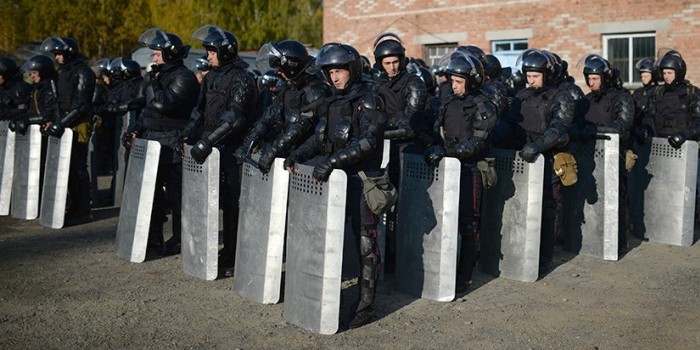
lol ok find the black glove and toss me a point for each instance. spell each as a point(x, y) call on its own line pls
point(265, 161)
point(289, 162)
point(405, 125)
point(240, 154)
point(529, 152)
point(201, 150)
point(56, 130)
point(641, 134)
point(322, 170)
point(434, 154)
point(677, 140)
point(126, 139)
point(19, 125)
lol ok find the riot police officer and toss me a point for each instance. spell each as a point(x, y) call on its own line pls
point(14, 91)
point(349, 137)
point(674, 108)
point(290, 119)
point(43, 104)
point(649, 77)
point(75, 85)
point(467, 117)
point(544, 113)
point(224, 113)
point(608, 109)
point(168, 98)
point(406, 100)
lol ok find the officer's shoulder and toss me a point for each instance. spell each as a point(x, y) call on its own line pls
point(372, 101)
point(315, 90)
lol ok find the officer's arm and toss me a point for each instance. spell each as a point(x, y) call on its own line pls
point(304, 124)
point(81, 103)
point(174, 97)
point(484, 122)
point(373, 116)
point(694, 131)
point(650, 112)
point(623, 110)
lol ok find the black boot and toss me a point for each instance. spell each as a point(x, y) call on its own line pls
point(369, 255)
point(465, 263)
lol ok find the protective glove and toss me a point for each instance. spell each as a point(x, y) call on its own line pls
point(289, 162)
point(322, 171)
point(529, 152)
point(434, 154)
point(641, 134)
point(56, 130)
point(201, 150)
point(265, 161)
point(677, 140)
point(127, 138)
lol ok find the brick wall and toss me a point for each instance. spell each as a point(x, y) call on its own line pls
point(571, 28)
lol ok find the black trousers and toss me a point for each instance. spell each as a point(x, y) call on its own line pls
point(79, 180)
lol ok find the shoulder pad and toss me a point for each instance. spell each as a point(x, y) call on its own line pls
point(372, 102)
point(314, 92)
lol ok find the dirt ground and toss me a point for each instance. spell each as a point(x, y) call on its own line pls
point(67, 289)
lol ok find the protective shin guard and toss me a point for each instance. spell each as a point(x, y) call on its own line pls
point(369, 255)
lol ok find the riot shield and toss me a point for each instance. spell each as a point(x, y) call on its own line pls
point(200, 215)
point(261, 225)
point(662, 192)
point(428, 208)
point(25, 187)
point(7, 166)
point(315, 225)
point(139, 188)
point(55, 191)
point(591, 207)
point(512, 218)
point(120, 156)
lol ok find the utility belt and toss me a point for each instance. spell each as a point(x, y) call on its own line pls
point(164, 124)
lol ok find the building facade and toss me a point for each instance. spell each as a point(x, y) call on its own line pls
point(622, 31)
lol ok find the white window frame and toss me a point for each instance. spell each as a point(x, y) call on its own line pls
point(429, 59)
point(630, 36)
point(511, 42)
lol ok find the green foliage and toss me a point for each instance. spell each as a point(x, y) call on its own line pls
point(112, 27)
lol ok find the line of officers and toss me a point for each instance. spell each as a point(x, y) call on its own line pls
point(334, 111)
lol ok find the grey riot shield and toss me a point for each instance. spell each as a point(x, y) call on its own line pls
point(55, 190)
point(139, 188)
point(511, 221)
point(428, 208)
point(662, 192)
point(200, 215)
point(93, 165)
point(120, 156)
point(261, 225)
point(25, 187)
point(591, 206)
point(7, 166)
point(315, 225)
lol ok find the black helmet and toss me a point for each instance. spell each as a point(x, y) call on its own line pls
point(518, 80)
point(66, 46)
point(594, 64)
point(672, 60)
point(366, 65)
point(42, 64)
point(222, 42)
point(386, 45)
point(288, 56)
point(169, 44)
point(646, 65)
point(8, 68)
point(125, 68)
point(102, 68)
point(533, 60)
point(557, 65)
point(437, 70)
point(269, 79)
point(493, 67)
point(334, 55)
point(476, 52)
point(467, 66)
point(428, 78)
point(202, 64)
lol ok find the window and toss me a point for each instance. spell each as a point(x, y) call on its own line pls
point(433, 53)
point(624, 50)
point(505, 46)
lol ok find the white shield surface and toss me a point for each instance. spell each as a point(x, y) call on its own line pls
point(55, 191)
point(261, 226)
point(662, 192)
point(7, 166)
point(120, 158)
point(511, 220)
point(591, 206)
point(428, 209)
point(200, 215)
point(315, 227)
point(135, 214)
point(25, 185)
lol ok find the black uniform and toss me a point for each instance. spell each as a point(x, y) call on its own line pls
point(14, 98)
point(169, 99)
point(674, 109)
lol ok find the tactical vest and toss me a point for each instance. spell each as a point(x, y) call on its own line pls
point(600, 111)
point(217, 96)
point(391, 92)
point(535, 110)
point(343, 125)
point(673, 114)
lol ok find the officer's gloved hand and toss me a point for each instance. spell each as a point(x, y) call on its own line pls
point(56, 129)
point(19, 125)
point(201, 150)
point(529, 152)
point(641, 135)
point(265, 161)
point(322, 171)
point(127, 138)
point(406, 127)
point(289, 162)
point(677, 140)
point(434, 154)
point(240, 154)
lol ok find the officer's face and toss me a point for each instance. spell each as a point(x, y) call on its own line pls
point(669, 75)
point(59, 58)
point(459, 85)
point(158, 57)
point(35, 76)
point(535, 79)
point(594, 82)
point(213, 58)
point(391, 65)
point(339, 77)
point(646, 77)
